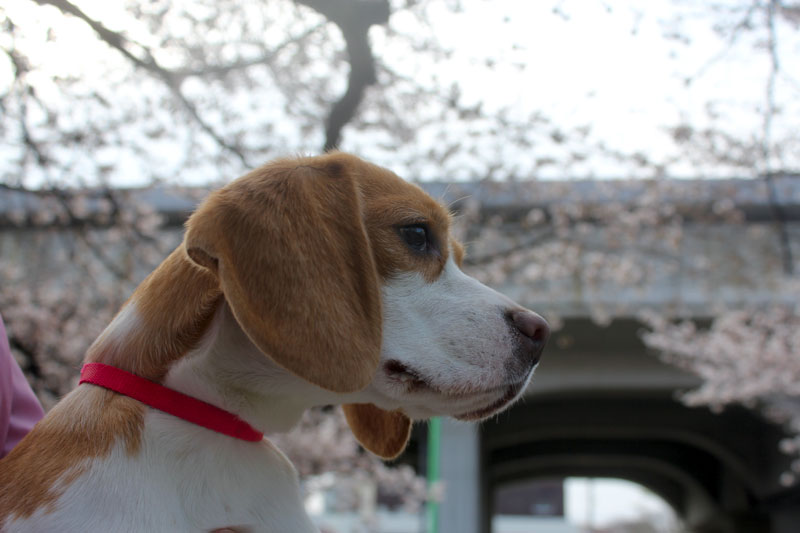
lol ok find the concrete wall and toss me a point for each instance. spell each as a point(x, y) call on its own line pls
point(599, 404)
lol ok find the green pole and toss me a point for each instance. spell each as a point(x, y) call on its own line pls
point(434, 446)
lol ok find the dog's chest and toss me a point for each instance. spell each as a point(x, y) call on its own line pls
point(184, 479)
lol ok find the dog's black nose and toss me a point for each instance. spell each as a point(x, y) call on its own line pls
point(533, 328)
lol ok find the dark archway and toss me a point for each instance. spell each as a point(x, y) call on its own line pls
point(600, 405)
point(718, 471)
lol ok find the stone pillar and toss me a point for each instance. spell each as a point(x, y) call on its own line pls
point(460, 463)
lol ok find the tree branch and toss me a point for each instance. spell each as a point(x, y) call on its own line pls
point(171, 79)
point(778, 213)
point(354, 18)
point(242, 64)
point(741, 26)
point(114, 39)
point(532, 240)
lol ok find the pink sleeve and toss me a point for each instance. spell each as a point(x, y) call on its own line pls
point(19, 408)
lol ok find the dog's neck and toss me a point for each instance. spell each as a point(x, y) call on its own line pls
point(227, 370)
point(177, 330)
point(162, 321)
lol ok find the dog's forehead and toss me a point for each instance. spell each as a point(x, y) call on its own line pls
point(382, 189)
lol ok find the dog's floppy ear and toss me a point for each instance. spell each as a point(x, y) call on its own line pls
point(384, 433)
point(289, 247)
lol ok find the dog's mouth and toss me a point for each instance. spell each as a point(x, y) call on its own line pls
point(413, 381)
point(497, 405)
point(402, 374)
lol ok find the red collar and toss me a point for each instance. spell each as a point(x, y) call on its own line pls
point(169, 400)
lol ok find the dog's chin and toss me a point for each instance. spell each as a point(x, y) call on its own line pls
point(511, 393)
point(440, 400)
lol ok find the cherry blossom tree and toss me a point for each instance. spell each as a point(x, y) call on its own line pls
point(98, 98)
point(748, 355)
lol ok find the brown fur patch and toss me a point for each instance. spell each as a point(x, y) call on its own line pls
point(288, 246)
point(84, 425)
point(458, 252)
point(390, 203)
point(384, 433)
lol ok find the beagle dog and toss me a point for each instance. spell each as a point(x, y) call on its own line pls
point(309, 281)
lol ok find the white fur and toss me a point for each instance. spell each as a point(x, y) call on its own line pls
point(450, 332)
point(185, 479)
point(111, 339)
point(454, 334)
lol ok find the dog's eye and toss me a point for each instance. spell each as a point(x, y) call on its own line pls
point(416, 237)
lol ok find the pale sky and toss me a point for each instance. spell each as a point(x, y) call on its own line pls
point(613, 70)
point(602, 501)
point(590, 69)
